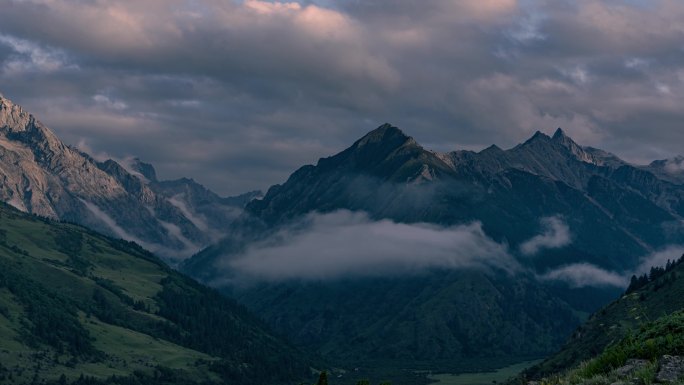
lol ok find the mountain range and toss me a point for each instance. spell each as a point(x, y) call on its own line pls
point(386, 255)
point(577, 220)
point(629, 208)
point(43, 176)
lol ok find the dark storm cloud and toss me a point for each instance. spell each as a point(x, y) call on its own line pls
point(239, 94)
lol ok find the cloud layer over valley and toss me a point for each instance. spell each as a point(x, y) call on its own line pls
point(345, 243)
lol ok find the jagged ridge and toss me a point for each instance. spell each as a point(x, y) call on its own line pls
point(43, 176)
point(616, 213)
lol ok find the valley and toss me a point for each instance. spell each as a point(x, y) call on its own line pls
point(560, 223)
point(499, 376)
point(341, 192)
point(384, 262)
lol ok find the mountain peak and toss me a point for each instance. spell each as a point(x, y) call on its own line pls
point(19, 125)
point(12, 116)
point(538, 136)
point(145, 169)
point(562, 138)
point(8, 106)
point(559, 134)
point(4, 100)
point(492, 149)
point(381, 152)
point(384, 133)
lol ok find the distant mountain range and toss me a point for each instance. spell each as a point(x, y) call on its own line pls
point(43, 176)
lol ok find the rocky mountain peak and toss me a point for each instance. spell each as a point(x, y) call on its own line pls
point(563, 145)
point(386, 133)
point(384, 144)
point(560, 135)
point(492, 149)
point(536, 139)
point(12, 117)
point(564, 140)
point(145, 169)
point(16, 124)
point(4, 101)
point(44, 176)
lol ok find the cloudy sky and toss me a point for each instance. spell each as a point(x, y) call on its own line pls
point(238, 94)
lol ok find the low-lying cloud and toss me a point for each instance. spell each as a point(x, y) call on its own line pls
point(585, 274)
point(589, 275)
point(345, 243)
point(675, 166)
point(556, 234)
point(171, 255)
point(659, 258)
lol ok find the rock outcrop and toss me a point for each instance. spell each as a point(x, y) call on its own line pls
point(670, 369)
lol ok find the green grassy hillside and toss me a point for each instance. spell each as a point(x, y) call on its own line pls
point(636, 358)
point(662, 297)
point(79, 307)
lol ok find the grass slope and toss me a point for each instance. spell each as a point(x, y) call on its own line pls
point(649, 343)
point(76, 306)
point(632, 312)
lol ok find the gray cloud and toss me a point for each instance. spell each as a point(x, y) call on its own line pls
point(174, 255)
point(675, 165)
point(344, 243)
point(585, 274)
point(239, 93)
point(659, 258)
point(26, 56)
point(556, 234)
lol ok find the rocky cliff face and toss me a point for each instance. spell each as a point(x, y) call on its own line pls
point(41, 175)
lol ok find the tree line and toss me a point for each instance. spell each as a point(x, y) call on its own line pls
point(638, 282)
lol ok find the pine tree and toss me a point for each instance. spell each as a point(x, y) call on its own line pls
point(323, 378)
point(633, 283)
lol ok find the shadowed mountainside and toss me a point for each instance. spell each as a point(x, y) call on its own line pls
point(615, 214)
